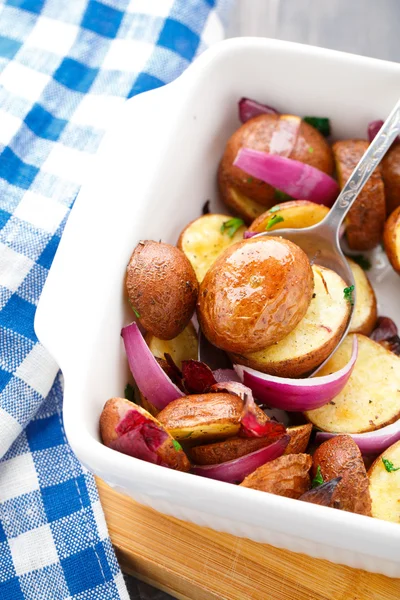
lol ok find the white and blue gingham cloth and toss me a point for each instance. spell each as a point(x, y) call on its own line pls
point(66, 66)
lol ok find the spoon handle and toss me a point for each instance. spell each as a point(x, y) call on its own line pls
point(372, 157)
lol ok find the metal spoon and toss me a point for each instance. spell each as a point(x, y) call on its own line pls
point(321, 242)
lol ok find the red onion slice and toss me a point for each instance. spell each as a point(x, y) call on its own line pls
point(151, 380)
point(373, 128)
point(297, 394)
point(250, 108)
point(234, 471)
point(371, 442)
point(285, 135)
point(225, 375)
point(293, 177)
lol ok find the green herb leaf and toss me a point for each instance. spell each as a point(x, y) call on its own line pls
point(361, 260)
point(310, 149)
point(273, 221)
point(134, 309)
point(318, 479)
point(275, 208)
point(176, 445)
point(129, 392)
point(348, 294)
point(249, 180)
point(230, 227)
point(389, 466)
point(282, 196)
point(322, 124)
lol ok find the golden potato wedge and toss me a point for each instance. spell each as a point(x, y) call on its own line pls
point(234, 447)
point(341, 457)
point(299, 438)
point(365, 309)
point(384, 485)
point(240, 205)
point(391, 239)
point(390, 166)
point(365, 221)
point(285, 476)
point(370, 399)
point(203, 416)
point(296, 214)
point(128, 428)
point(182, 347)
point(204, 239)
point(314, 338)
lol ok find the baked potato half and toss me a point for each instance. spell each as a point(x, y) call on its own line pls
point(371, 397)
point(295, 214)
point(204, 239)
point(391, 239)
point(365, 309)
point(366, 218)
point(240, 205)
point(384, 485)
point(182, 347)
point(285, 476)
point(313, 339)
point(390, 167)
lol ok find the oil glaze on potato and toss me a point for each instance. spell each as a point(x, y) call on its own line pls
point(204, 239)
point(313, 339)
point(371, 397)
point(182, 347)
point(130, 429)
point(384, 485)
point(203, 416)
point(364, 223)
point(296, 214)
point(254, 294)
point(390, 167)
point(162, 288)
point(285, 476)
point(391, 239)
point(365, 309)
point(257, 134)
point(341, 457)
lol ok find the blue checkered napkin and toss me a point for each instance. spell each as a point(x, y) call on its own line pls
point(65, 68)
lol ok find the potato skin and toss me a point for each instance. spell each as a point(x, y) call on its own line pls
point(299, 438)
point(365, 310)
point(239, 204)
point(391, 239)
point(341, 457)
point(390, 166)
point(234, 447)
point(162, 287)
point(254, 294)
point(257, 133)
point(364, 223)
point(285, 476)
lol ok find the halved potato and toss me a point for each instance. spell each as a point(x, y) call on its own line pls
point(234, 447)
point(384, 485)
point(296, 214)
point(203, 416)
point(182, 347)
point(391, 239)
point(240, 204)
point(314, 338)
point(204, 239)
point(285, 476)
point(370, 399)
point(365, 310)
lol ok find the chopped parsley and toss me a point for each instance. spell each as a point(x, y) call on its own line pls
point(362, 261)
point(275, 208)
point(274, 221)
point(230, 227)
point(310, 149)
point(322, 124)
point(389, 466)
point(281, 195)
point(134, 309)
point(176, 445)
point(318, 479)
point(249, 180)
point(129, 392)
point(348, 294)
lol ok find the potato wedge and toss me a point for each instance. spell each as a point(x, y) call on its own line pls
point(384, 485)
point(370, 399)
point(130, 429)
point(285, 476)
point(314, 338)
point(365, 309)
point(391, 239)
point(203, 416)
point(234, 447)
point(365, 221)
point(390, 166)
point(240, 205)
point(204, 239)
point(299, 438)
point(182, 347)
point(296, 214)
point(341, 457)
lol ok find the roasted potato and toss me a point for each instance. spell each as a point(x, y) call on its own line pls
point(390, 167)
point(234, 447)
point(299, 438)
point(384, 485)
point(162, 288)
point(391, 239)
point(240, 205)
point(365, 221)
point(259, 133)
point(254, 294)
point(285, 476)
point(365, 309)
point(182, 347)
point(371, 397)
point(314, 338)
point(204, 239)
point(130, 429)
point(203, 416)
point(341, 457)
point(295, 214)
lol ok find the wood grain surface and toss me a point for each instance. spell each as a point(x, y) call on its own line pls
point(197, 563)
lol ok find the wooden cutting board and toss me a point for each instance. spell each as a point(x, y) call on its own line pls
point(197, 563)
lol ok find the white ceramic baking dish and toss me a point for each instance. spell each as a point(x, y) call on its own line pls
point(153, 172)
